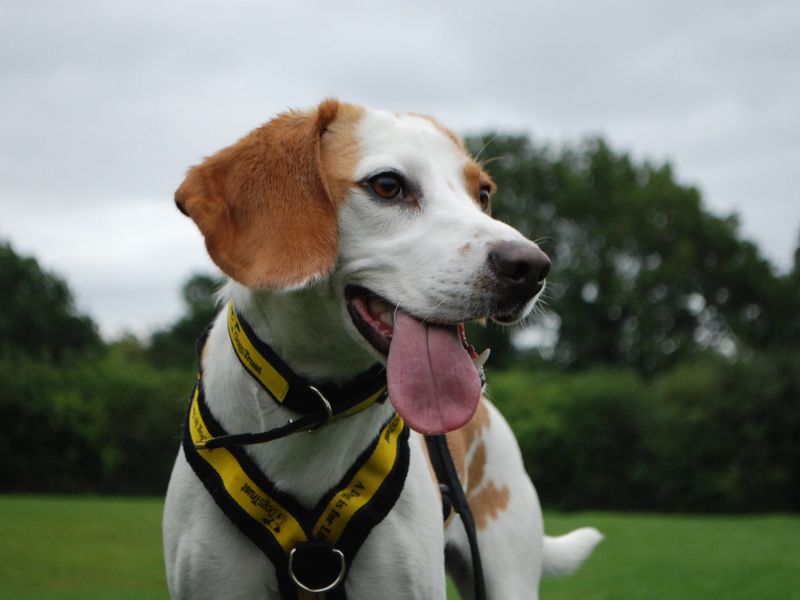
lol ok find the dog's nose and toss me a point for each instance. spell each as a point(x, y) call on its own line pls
point(521, 266)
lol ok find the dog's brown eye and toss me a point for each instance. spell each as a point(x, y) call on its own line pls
point(387, 186)
point(484, 197)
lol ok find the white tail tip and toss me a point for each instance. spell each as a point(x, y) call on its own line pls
point(565, 553)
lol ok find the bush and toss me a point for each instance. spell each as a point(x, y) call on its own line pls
point(708, 436)
point(108, 424)
point(40, 451)
point(584, 437)
point(729, 435)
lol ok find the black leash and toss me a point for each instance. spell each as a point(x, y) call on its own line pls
point(305, 423)
point(450, 485)
point(373, 381)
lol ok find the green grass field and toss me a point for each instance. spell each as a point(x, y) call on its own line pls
point(57, 548)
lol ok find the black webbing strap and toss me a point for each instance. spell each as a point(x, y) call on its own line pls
point(294, 392)
point(316, 405)
point(309, 546)
point(306, 423)
point(445, 470)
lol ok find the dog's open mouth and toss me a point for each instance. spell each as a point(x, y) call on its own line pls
point(433, 373)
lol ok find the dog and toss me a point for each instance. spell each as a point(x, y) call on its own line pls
point(352, 236)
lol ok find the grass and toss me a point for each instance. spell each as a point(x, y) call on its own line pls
point(657, 557)
point(70, 548)
point(81, 548)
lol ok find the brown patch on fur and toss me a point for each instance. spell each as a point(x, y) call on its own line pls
point(479, 421)
point(340, 152)
point(461, 440)
point(477, 466)
point(488, 502)
point(263, 204)
point(485, 499)
point(464, 249)
point(475, 179)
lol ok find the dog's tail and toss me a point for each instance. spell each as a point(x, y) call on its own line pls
point(565, 553)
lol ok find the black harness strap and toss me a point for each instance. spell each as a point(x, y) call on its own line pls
point(215, 484)
point(290, 390)
point(323, 541)
point(317, 405)
point(449, 484)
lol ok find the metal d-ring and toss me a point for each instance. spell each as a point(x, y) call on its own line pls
point(327, 406)
point(327, 588)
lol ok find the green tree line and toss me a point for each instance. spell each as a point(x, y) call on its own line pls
point(643, 275)
point(671, 380)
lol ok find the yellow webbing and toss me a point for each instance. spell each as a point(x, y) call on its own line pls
point(362, 487)
point(276, 519)
point(270, 515)
point(255, 363)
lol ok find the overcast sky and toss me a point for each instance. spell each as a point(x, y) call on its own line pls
point(103, 106)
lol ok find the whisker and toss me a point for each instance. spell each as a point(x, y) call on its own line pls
point(488, 161)
point(486, 145)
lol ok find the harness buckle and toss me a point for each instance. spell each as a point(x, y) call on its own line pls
point(316, 567)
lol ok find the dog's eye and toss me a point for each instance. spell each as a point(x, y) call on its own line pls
point(484, 196)
point(388, 186)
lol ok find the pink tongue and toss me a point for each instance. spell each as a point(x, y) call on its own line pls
point(433, 382)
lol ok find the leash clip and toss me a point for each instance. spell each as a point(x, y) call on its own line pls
point(326, 405)
point(320, 564)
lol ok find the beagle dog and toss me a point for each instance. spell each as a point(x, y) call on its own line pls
point(352, 236)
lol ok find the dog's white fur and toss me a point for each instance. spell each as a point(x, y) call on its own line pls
point(427, 259)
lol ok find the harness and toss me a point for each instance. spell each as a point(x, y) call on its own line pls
point(311, 549)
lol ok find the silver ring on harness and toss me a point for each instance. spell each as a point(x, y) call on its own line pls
point(327, 406)
point(326, 588)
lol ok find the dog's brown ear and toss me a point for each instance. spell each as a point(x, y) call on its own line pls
point(263, 205)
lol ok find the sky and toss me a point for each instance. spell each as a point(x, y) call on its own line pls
point(104, 105)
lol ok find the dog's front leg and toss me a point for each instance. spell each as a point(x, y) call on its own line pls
point(403, 558)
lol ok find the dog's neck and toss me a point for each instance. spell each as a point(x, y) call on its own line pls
point(307, 330)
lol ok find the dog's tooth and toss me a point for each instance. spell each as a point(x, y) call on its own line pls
point(388, 317)
point(481, 359)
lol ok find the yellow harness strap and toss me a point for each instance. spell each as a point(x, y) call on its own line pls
point(275, 521)
point(265, 511)
point(292, 391)
point(253, 360)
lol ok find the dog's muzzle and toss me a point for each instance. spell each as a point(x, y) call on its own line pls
point(520, 267)
point(518, 271)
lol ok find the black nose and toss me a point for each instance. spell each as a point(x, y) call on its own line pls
point(520, 266)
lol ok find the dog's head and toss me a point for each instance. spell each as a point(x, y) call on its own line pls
point(392, 212)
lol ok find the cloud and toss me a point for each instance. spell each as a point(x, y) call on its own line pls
point(105, 105)
point(126, 259)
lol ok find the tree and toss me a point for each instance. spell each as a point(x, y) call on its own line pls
point(175, 346)
point(788, 301)
point(37, 313)
point(642, 273)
